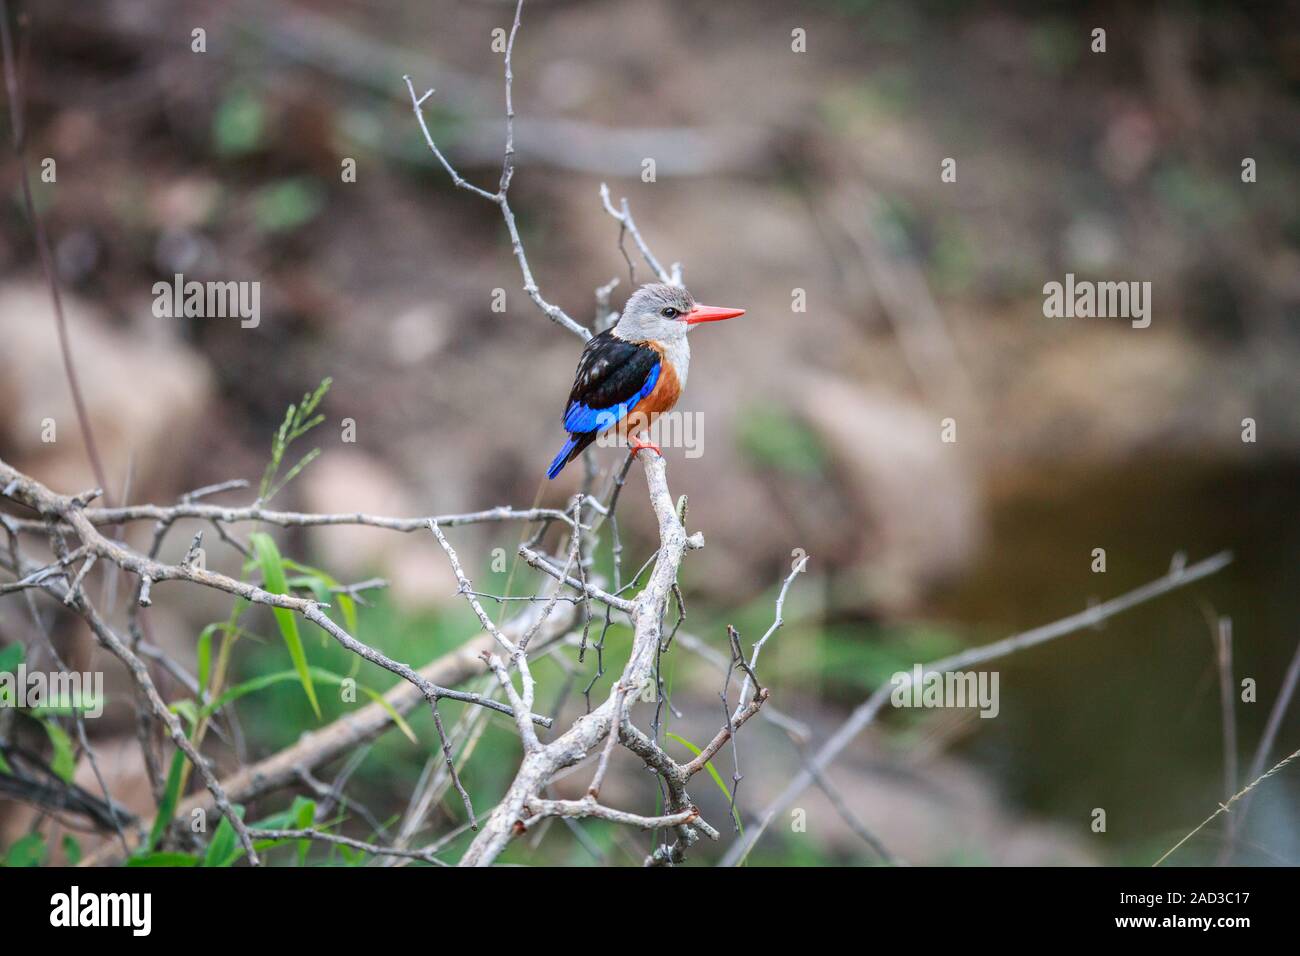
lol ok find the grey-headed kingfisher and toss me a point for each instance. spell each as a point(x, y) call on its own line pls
point(632, 373)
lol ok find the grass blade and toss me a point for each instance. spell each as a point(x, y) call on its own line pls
point(713, 772)
point(273, 579)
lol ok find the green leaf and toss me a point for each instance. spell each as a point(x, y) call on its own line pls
point(353, 856)
point(262, 681)
point(71, 849)
point(288, 204)
point(4, 766)
point(26, 851)
point(316, 584)
point(63, 763)
point(299, 816)
point(304, 812)
point(238, 123)
point(224, 849)
point(261, 845)
point(187, 709)
point(717, 777)
point(382, 701)
point(252, 685)
point(327, 590)
point(348, 606)
point(773, 437)
point(11, 657)
point(167, 806)
point(276, 821)
point(163, 859)
point(205, 654)
point(273, 580)
point(311, 582)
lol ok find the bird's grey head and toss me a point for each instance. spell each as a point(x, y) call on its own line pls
point(655, 312)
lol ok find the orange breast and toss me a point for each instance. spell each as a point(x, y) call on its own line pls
point(661, 399)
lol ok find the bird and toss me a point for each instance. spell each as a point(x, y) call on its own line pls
point(631, 373)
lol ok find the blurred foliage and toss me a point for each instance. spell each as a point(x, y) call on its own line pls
point(1200, 198)
point(771, 437)
point(954, 258)
point(1054, 45)
point(237, 125)
point(288, 204)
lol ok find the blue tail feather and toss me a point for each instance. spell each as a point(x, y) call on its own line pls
point(561, 459)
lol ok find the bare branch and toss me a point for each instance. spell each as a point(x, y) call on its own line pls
point(35, 495)
point(311, 833)
point(467, 589)
point(586, 734)
point(294, 519)
point(588, 807)
point(777, 623)
point(623, 216)
point(552, 312)
point(539, 562)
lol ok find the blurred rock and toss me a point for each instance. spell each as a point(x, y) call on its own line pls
point(1090, 244)
point(945, 812)
point(1100, 396)
point(141, 394)
point(917, 492)
point(76, 255)
point(417, 334)
point(352, 481)
point(186, 202)
point(1128, 146)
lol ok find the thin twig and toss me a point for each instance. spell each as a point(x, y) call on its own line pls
point(311, 833)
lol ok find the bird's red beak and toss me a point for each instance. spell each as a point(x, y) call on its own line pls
point(709, 313)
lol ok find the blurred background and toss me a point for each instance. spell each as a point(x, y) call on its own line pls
point(776, 171)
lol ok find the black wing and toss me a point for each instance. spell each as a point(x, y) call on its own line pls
point(613, 375)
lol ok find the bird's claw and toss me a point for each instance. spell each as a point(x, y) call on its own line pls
point(638, 446)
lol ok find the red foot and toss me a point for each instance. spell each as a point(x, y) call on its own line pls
point(639, 445)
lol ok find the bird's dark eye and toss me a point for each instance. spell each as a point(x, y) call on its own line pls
point(668, 312)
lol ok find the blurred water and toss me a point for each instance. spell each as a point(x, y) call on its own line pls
point(1128, 718)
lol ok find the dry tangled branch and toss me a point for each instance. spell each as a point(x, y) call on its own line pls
point(602, 727)
point(80, 538)
point(75, 532)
